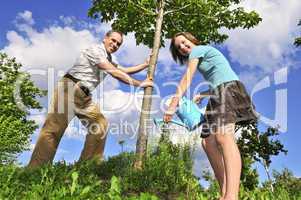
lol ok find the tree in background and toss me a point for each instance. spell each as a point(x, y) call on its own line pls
point(152, 21)
point(249, 176)
point(17, 94)
point(260, 147)
point(286, 180)
point(298, 39)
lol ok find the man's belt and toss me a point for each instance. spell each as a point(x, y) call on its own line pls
point(75, 80)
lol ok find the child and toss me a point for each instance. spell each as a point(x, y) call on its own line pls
point(229, 103)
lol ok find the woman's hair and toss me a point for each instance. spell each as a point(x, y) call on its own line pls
point(175, 52)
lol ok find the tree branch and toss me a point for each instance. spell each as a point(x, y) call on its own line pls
point(175, 26)
point(176, 10)
point(149, 12)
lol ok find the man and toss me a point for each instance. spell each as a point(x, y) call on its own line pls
point(72, 97)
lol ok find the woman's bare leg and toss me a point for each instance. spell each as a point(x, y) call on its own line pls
point(232, 160)
point(215, 158)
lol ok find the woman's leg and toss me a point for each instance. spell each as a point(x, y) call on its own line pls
point(232, 160)
point(215, 158)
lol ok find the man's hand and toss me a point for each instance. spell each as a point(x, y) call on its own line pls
point(146, 62)
point(147, 83)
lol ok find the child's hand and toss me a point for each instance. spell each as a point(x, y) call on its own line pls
point(168, 114)
point(171, 109)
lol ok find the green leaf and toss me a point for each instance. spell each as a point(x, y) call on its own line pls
point(74, 176)
point(203, 18)
point(15, 128)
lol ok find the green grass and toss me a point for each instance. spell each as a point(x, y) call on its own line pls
point(167, 174)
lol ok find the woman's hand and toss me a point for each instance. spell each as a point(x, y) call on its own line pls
point(171, 109)
point(198, 98)
point(168, 114)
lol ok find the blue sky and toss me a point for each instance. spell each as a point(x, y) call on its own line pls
point(47, 36)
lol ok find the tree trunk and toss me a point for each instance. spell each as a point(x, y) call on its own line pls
point(141, 146)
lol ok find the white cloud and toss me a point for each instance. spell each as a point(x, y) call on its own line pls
point(168, 69)
point(250, 78)
point(122, 110)
point(57, 46)
point(267, 45)
point(37, 116)
point(54, 47)
point(108, 84)
point(67, 20)
point(131, 54)
point(200, 161)
point(26, 16)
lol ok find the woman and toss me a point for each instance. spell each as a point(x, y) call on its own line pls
point(229, 103)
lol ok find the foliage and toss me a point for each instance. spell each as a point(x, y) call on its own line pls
point(167, 174)
point(249, 176)
point(89, 180)
point(202, 18)
point(285, 180)
point(167, 171)
point(261, 146)
point(298, 39)
point(59, 182)
point(256, 146)
point(153, 21)
point(18, 94)
point(213, 188)
point(282, 189)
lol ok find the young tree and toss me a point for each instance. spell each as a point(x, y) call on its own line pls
point(152, 21)
point(17, 93)
point(260, 147)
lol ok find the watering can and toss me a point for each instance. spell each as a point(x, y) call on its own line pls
point(188, 112)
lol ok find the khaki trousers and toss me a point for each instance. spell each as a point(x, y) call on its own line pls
point(68, 101)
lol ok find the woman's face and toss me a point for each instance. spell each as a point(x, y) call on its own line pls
point(183, 45)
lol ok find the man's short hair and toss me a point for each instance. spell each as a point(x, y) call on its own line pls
point(109, 33)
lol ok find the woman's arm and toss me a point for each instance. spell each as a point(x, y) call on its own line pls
point(181, 89)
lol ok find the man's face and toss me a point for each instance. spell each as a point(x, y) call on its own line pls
point(112, 42)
